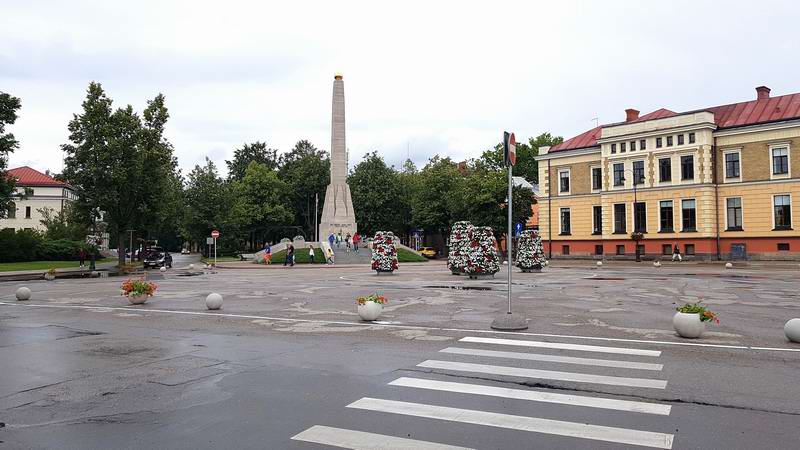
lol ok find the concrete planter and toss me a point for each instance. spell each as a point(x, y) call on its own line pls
point(384, 272)
point(370, 311)
point(688, 325)
point(137, 299)
point(481, 276)
point(531, 269)
point(792, 330)
point(456, 273)
point(49, 277)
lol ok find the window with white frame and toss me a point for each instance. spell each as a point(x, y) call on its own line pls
point(619, 218)
point(689, 215)
point(563, 181)
point(597, 178)
point(733, 207)
point(619, 174)
point(782, 211)
point(733, 165)
point(687, 167)
point(780, 160)
point(597, 219)
point(565, 221)
point(665, 216)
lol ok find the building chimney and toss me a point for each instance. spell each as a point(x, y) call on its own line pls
point(762, 93)
point(631, 114)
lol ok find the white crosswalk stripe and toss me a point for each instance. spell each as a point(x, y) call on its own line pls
point(536, 396)
point(561, 346)
point(360, 440)
point(533, 424)
point(553, 358)
point(543, 374)
point(356, 439)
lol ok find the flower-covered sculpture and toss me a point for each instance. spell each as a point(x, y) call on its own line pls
point(384, 252)
point(482, 256)
point(530, 253)
point(459, 243)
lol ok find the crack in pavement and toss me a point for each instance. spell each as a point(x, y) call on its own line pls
point(598, 391)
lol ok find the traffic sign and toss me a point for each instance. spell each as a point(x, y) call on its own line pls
point(215, 234)
point(209, 241)
point(510, 148)
point(519, 228)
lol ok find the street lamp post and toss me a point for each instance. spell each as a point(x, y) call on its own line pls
point(636, 235)
point(92, 262)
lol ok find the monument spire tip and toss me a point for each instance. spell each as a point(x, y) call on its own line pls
point(337, 76)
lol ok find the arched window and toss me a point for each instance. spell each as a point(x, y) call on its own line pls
point(12, 210)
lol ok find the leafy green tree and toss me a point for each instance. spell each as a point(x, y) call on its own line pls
point(307, 172)
point(8, 115)
point(255, 152)
point(117, 162)
point(260, 203)
point(375, 188)
point(432, 204)
point(207, 200)
point(482, 200)
point(526, 166)
point(62, 224)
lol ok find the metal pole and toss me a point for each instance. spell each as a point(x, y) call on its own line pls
point(215, 253)
point(508, 237)
point(92, 264)
point(316, 221)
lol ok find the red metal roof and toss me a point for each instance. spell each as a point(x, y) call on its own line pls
point(31, 177)
point(752, 112)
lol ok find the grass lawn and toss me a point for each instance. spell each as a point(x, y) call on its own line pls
point(300, 257)
point(44, 265)
point(404, 255)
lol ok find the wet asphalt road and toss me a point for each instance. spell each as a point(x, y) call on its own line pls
point(287, 355)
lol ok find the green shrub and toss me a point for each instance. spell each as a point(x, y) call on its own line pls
point(30, 245)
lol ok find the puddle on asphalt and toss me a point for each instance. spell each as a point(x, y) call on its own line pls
point(189, 274)
point(461, 288)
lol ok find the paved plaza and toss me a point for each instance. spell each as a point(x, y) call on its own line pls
point(287, 363)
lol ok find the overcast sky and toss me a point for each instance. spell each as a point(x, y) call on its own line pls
point(421, 78)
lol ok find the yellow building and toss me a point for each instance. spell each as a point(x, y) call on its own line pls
point(719, 182)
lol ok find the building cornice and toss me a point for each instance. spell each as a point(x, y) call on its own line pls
point(759, 127)
point(659, 132)
point(568, 153)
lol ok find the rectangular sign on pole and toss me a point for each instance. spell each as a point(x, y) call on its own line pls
point(209, 241)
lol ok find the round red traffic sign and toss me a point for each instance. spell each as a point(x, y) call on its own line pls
point(215, 234)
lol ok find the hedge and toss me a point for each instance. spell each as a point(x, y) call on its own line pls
point(30, 245)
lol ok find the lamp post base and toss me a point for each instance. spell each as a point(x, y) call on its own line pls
point(509, 322)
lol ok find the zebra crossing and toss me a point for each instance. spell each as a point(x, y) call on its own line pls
point(498, 363)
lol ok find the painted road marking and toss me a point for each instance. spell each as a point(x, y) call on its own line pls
point(524, 423)
point(405, 327)
point(340, 437)
point(544, 374)
point(535, 396)
point(560, 346)
point(553, 358)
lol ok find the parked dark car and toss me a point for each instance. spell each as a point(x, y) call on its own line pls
point(157, 257)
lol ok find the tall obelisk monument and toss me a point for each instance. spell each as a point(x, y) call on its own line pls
point(337, 212)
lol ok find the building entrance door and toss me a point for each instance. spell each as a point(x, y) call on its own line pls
point(738, 251)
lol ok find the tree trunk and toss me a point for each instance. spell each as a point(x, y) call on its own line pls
point(121, 250)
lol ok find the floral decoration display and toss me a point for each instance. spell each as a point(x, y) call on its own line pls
point(384, 252)
point(138, 287)
point(372, 298)
point(530, 252)
point(459, 245)
point(482, 255)
point(706, 315)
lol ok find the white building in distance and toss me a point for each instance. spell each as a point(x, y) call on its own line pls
point(43, 191)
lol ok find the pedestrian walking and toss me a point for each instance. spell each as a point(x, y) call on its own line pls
point(289, 256)
point(676, 253)
point(356, 241)
point(267, 253)
point(339, 240)
point(311, 253)
point(330, 256)
point(331, 239)
point(347, 240)
point(82, 257)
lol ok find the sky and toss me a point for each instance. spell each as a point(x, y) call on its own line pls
point(421, 77)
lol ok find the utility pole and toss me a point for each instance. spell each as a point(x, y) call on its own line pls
point(316, 217)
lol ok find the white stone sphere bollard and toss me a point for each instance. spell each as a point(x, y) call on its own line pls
point(191, 266)
point(657, 263)
point(728, 265)
point(599, 263)
point(163, 269)
point(23, 293)
point(792, 330)
point(214, 301)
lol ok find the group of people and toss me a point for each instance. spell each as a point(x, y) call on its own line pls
point(349, 241)
point(290, 255)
